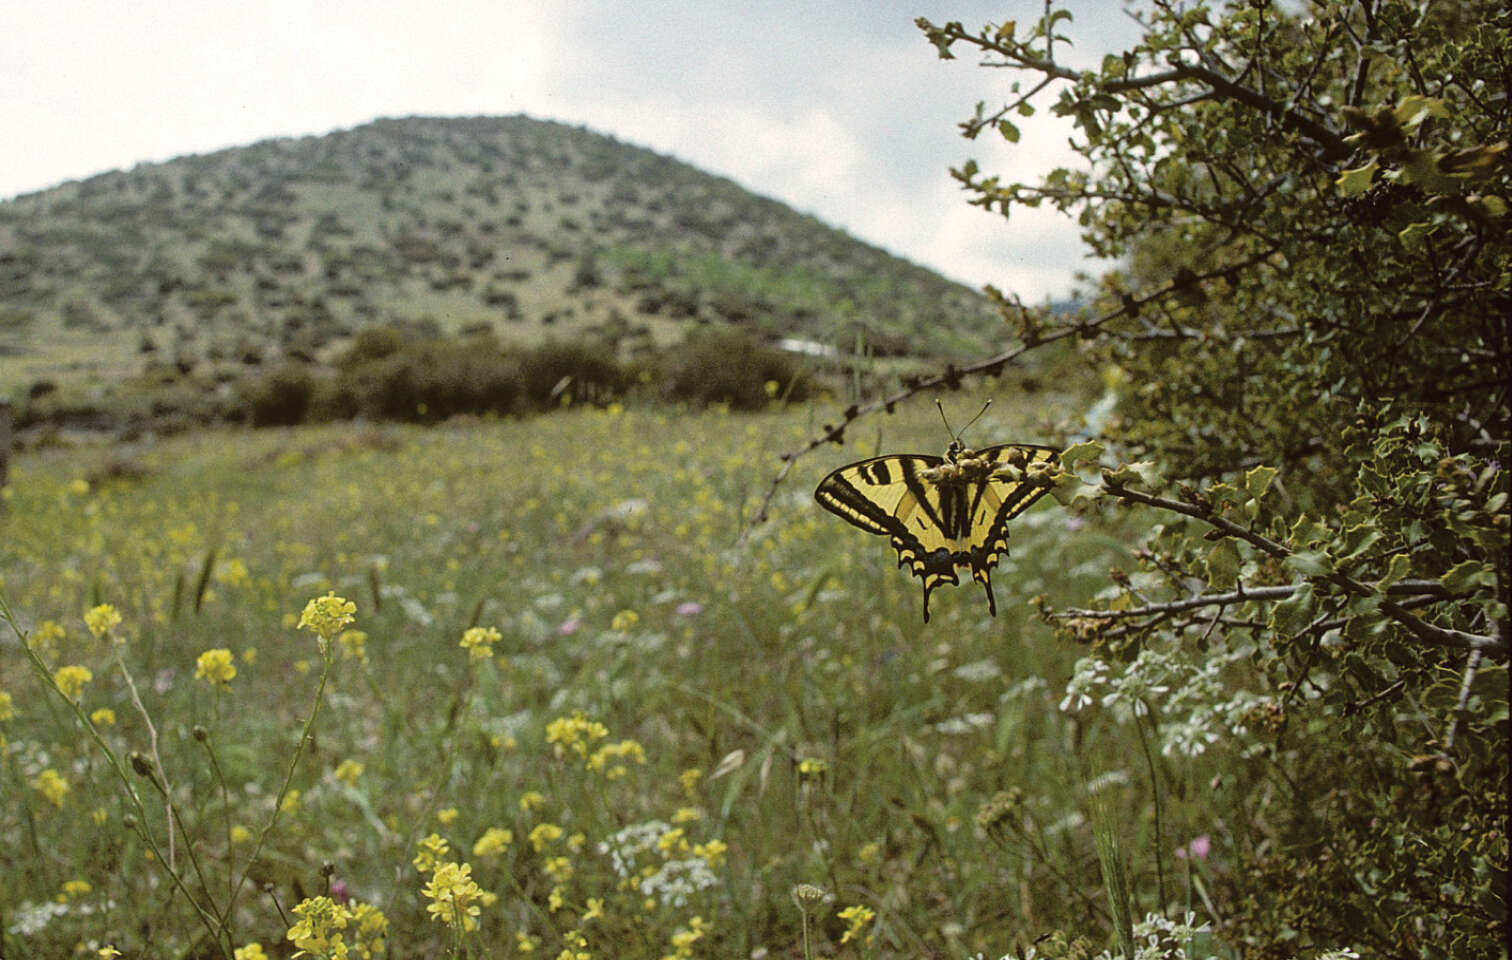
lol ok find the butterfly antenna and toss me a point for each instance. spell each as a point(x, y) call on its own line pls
point(941, 407)
point(978, 416)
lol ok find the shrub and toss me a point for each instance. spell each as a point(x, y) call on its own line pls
point(582, 370)
point(730, 366)
point(280, 398)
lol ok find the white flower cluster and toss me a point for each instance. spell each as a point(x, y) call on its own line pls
point(1162, 938)
point(1195, 706)
point(629, 843)
point(677, 880)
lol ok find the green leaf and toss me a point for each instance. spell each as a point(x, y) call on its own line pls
point(1306, 532)
point(1415, 108)
point(1358, 180)
point(1292, 615)
point(1070, 490)
point(1466, 577)
point(1397, 568)
point(1311, 563)
point(1009, 131)
point(1087, 450)
point(1223, 564)
point(1005, 32)
point(1131, 474)
point(1415, 233)
point(1358, 539)
point(1258, 479)
point(1220, 494)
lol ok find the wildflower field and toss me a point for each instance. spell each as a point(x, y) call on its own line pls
point(560, 710)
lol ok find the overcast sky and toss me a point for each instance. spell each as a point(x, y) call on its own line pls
point(839, 108)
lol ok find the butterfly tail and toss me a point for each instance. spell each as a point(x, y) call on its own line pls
point(986, 579)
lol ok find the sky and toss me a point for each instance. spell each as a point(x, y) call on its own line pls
point(839, 108)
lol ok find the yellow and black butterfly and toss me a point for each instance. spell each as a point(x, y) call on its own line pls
point(942, 512)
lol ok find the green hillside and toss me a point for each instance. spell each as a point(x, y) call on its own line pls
point(208, 269)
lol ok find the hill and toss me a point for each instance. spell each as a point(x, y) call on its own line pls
point(217, 265)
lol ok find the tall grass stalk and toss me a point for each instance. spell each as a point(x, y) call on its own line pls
point(1115, 877)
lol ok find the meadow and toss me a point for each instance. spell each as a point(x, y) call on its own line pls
point(572, 713)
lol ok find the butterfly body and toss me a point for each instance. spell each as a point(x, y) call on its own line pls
point(942, 513)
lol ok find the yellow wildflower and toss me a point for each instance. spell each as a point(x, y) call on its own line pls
point(109, 952)
point(327, 615)
point(811, 768)
point(855, 918)
point(712, 852)
point(687, 815)
point(347, 771)
point(543, 834)
point(6, 711)
point(102, 619)
point(290, 802)
point(353, 644)
point(524, 942)
point(103, 717)
point(595, 909)
point(689, 779)
point(624, 620)
point(447, 816)
point(371, 927)
point(575, 733)
point(432, 849)
point(240, 834)
point(215, 666)
point(554, 899)
point(45, 638)
point(453, 895)
point(479, 641)
point(71, 679)
point(318, 931)
point(531, 800)
point(252, 951)
point(495, 840)
point(73, 888)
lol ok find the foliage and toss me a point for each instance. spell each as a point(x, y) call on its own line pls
point(1309, 341)
point(729, 366)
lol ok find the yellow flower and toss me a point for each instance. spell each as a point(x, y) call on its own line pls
point(855, 918)
point(554, 899)
point(215, 666)
point(73, 888)
point(453, 895)
point(99, 816)
point(347, 771)
point(240, 834)
point(689, 779)
point(687, 815)
point(109, 952)
point(6, 713)
point(71, 680)
point(318, 931)
point(290, 802)
point(624, 620)
point(249, 656)
point(103, 717)
point(575, 733)
point(371, 926)
point(495, 840)
point(78, 486)
point(432, 849)
point(524, 942)
point(327, 615)
point(595, 909)
point(51, 785)
point(447, 816)
point(353, 644)
point(252, 951)
point(102, 619)
point(543, 834)
point(45, 638)
point(479, 641)
point(811, 768)
point(558, 868)
point(531, 800)
point(712, 852)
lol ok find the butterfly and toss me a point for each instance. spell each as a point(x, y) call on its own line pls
point(942, 512)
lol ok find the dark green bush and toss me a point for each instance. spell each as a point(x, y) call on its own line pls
point(730, 366)
point(280, 398)
point(582, 370)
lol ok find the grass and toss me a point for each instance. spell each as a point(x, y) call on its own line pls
point(779, 714)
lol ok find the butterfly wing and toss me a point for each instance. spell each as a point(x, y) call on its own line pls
point(937, 525)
